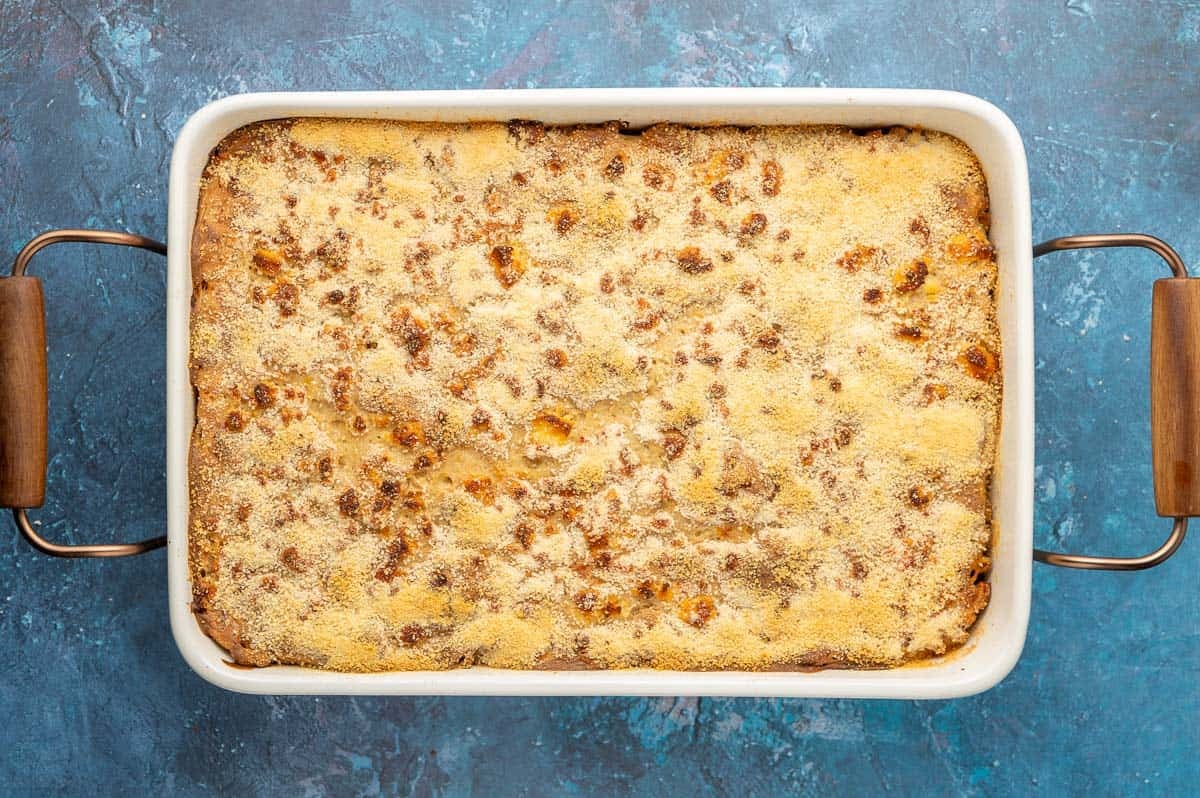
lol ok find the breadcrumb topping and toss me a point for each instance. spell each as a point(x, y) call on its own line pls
point(582, 397)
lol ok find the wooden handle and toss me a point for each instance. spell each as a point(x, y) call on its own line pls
point(1175, 396)
point(22, 393)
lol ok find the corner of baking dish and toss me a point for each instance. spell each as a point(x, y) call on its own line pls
point(999, 635)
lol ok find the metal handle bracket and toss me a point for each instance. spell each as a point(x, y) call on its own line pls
point(19, 513)
point(1179, 526)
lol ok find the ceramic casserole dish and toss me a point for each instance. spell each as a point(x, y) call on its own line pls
point(998, 636)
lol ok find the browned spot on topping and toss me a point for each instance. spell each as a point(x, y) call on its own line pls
point(918, 497)
point(611, 608)
point(264, 395)
point(731, 562)
point(854, 259)
point(526, 131)
point(360, 424)
point(615, 167)
point(424, 460)
point(772, 178)
point(969, 200)
point(549, 429)
point(647, 590)
point(438, 579)
point(397, 552)
point(646, 318)
point(697, 611)
point(843, 435)
point(408, 433)
point(721, 191)
point(909, 332)
point(640, 221)
point(754, 224)
point(348, 503)
point(768, 340)
point(556, 358)
point(586, 600)
point(716, 391)
point(325, 468)
point(410, 332)
point(290, 557)
point(979, 361)
point(335, 296)
point(267, 261)
point(463, 343)
point(334, 253)
point(739, 472)
point(965, 248)
point(673, 443)
point(563, 218)
point(721, 163)
point(508, 264)
point(234, 422)
point(606, 283)
point(520, 178)
point(480, 420)
point(287, 297)
point(413, 634)
point(911, 277)
point(783, 235)
point(934, 391)
point(340, 388)
point(482, 489)
point(835, 384)
point(692, 262)
point(596, 540)
point(523, 532)
point(658, 177)
point(919, 228)
point(872, 296)
point(697, 217)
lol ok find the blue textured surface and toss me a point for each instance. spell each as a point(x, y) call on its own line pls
point(94, 697)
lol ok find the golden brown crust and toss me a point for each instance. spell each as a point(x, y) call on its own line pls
point(536, 397)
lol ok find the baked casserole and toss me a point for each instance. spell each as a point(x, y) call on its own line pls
point(539, 397)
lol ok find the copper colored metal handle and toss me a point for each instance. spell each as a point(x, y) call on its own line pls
point(26, 500)
point(1163, 441)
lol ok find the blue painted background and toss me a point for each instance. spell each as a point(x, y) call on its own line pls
point(94, 697)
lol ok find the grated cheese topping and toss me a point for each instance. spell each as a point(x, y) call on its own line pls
point(581, 397)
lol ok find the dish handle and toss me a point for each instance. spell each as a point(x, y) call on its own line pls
point(23, 393)
point(1174, 395)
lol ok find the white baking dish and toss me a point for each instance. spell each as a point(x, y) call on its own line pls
point(998, 636)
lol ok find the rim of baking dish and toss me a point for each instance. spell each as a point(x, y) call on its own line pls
point(995, 644)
